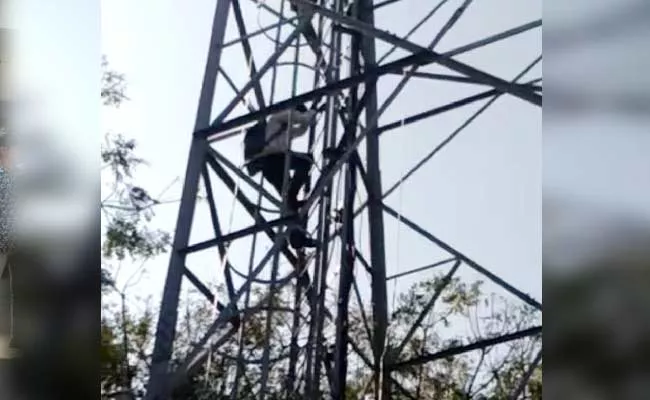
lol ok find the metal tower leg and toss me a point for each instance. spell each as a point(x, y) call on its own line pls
point(166, 329)
point(375, 210)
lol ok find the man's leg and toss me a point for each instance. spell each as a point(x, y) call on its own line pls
point(273, 171)
point(301, 165)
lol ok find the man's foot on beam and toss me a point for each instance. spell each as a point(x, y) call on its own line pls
point(332, 153)
point(300, 204)
point(298, 241)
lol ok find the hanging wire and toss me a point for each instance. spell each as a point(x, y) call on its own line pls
point(398, 236)
point(262, 3)
point(242, 325)
point(224, 262)
point(397, 263)
point(259, 4)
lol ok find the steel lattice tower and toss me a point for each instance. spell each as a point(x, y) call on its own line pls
point(334, 52)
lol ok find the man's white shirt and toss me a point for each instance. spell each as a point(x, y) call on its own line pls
point(296, 123)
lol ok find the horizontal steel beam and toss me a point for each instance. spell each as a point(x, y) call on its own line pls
point(200, 286)
point(259, 32)
point(446, 61)
point(385, 3)
point(421, 58)
point(418, 117)
point(239, 234)
point(471, 263)
point(454, 351)
point(426, 267)
point(438, 110)
point(244, 176)
point(395, 67)
point(494, 38)
point(460, 79)
point(255, 79)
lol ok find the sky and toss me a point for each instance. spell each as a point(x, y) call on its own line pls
point(482, 194)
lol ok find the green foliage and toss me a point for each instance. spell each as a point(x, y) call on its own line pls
point(490, 374)
point(113, 86)
point(127, 237)
point(111, 356)
point(119, 155)
point(128, 208)
point(125, 341)
point(107, 282)
point(127, 211)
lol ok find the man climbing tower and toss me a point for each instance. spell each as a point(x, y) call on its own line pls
point(267, 145)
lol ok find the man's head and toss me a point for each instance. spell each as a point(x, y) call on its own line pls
point(301, 108)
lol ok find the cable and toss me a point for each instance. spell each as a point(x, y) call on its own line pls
point(240, 339)
point(399, 213)
point(224, 266)
point(279, 281)
point(397, 263)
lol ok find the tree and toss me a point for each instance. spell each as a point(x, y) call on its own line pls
point(126, 210)
point(492, 373)
point(127, 207)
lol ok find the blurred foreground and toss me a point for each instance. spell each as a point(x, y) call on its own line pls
point(596, 200)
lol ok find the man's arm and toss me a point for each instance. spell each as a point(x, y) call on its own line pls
point(299, 121)
point(296, 117)
point(299, 128)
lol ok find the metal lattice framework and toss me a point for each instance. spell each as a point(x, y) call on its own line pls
point(334, 52)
